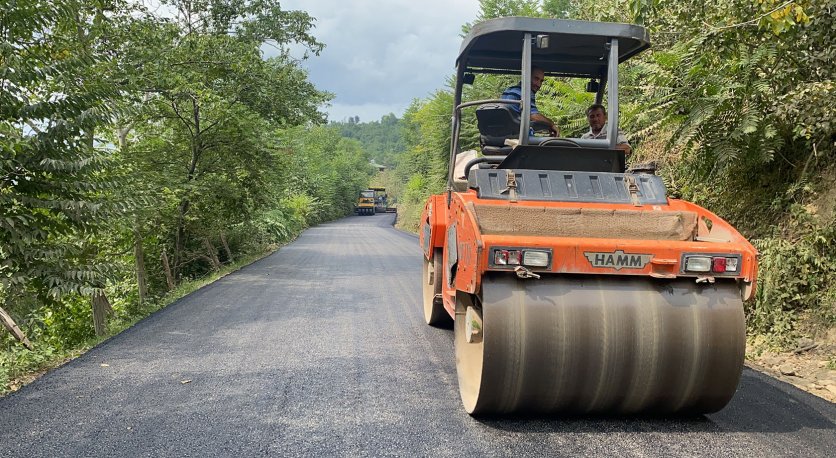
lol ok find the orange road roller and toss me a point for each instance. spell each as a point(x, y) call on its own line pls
point(575, 284)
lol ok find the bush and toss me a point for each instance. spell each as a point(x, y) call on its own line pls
point(797, 277)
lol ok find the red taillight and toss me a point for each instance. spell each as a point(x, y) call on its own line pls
point(507, 257)
point(530, 257)
point(711, 263)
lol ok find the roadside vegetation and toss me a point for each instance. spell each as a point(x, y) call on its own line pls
point(143, 153)
point(383, 139)
point(734, 102)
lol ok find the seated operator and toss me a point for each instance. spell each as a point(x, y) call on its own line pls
point(596, 114)
point(515, 93)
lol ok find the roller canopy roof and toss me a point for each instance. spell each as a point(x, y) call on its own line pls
point(576, 48)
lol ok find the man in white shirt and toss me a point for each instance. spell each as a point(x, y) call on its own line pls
point(596, 114)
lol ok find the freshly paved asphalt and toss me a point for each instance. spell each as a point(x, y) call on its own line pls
point(320, 349)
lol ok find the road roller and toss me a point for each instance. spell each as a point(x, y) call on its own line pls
point(574, 284)
point(365, 203)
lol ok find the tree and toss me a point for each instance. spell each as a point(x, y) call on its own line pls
point(327, 169)
point(383, 140)
point(53, 181)
point(210, 94)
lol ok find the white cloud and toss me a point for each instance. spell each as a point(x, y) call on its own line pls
point(382, 54)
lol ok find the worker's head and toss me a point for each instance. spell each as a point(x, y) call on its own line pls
point(537, 75)
point(596, 114)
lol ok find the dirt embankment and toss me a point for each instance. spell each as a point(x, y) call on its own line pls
point(811, 366)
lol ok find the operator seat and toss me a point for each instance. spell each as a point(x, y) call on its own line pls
point(497, 122)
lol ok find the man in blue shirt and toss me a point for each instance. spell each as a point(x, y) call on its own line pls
point(515, 93)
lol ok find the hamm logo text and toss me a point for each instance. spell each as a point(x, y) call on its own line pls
point(618, 260)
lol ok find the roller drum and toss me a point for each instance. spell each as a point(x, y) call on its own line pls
point(434, 313)
point(584, 344)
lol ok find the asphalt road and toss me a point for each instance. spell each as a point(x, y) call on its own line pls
point(320, 349)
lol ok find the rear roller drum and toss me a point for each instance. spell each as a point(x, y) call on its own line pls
point(434, 312)
point(596, 344)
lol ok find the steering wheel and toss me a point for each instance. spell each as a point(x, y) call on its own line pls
point(560, 142)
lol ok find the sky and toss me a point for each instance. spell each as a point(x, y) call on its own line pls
point(381, 54)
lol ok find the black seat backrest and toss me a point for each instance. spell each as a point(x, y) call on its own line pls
point(497, 122)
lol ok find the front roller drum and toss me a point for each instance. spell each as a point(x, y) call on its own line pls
point(587, 344)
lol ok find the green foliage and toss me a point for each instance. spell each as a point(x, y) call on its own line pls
point(489, 9)
point(727, 87)
point(53, 182)
point(17, 361)
point(797, 274)
point(424, 165)
point(327, 169)
point(415, 194)
point(302, 209)
point(565, 101)
point(253, 21)
point(204, 134)
point(382, 140)
point(561, 9)
point(63, 326)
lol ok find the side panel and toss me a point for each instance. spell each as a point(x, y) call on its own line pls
point(462, 252)
point(468, 247)
point(431, 231)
